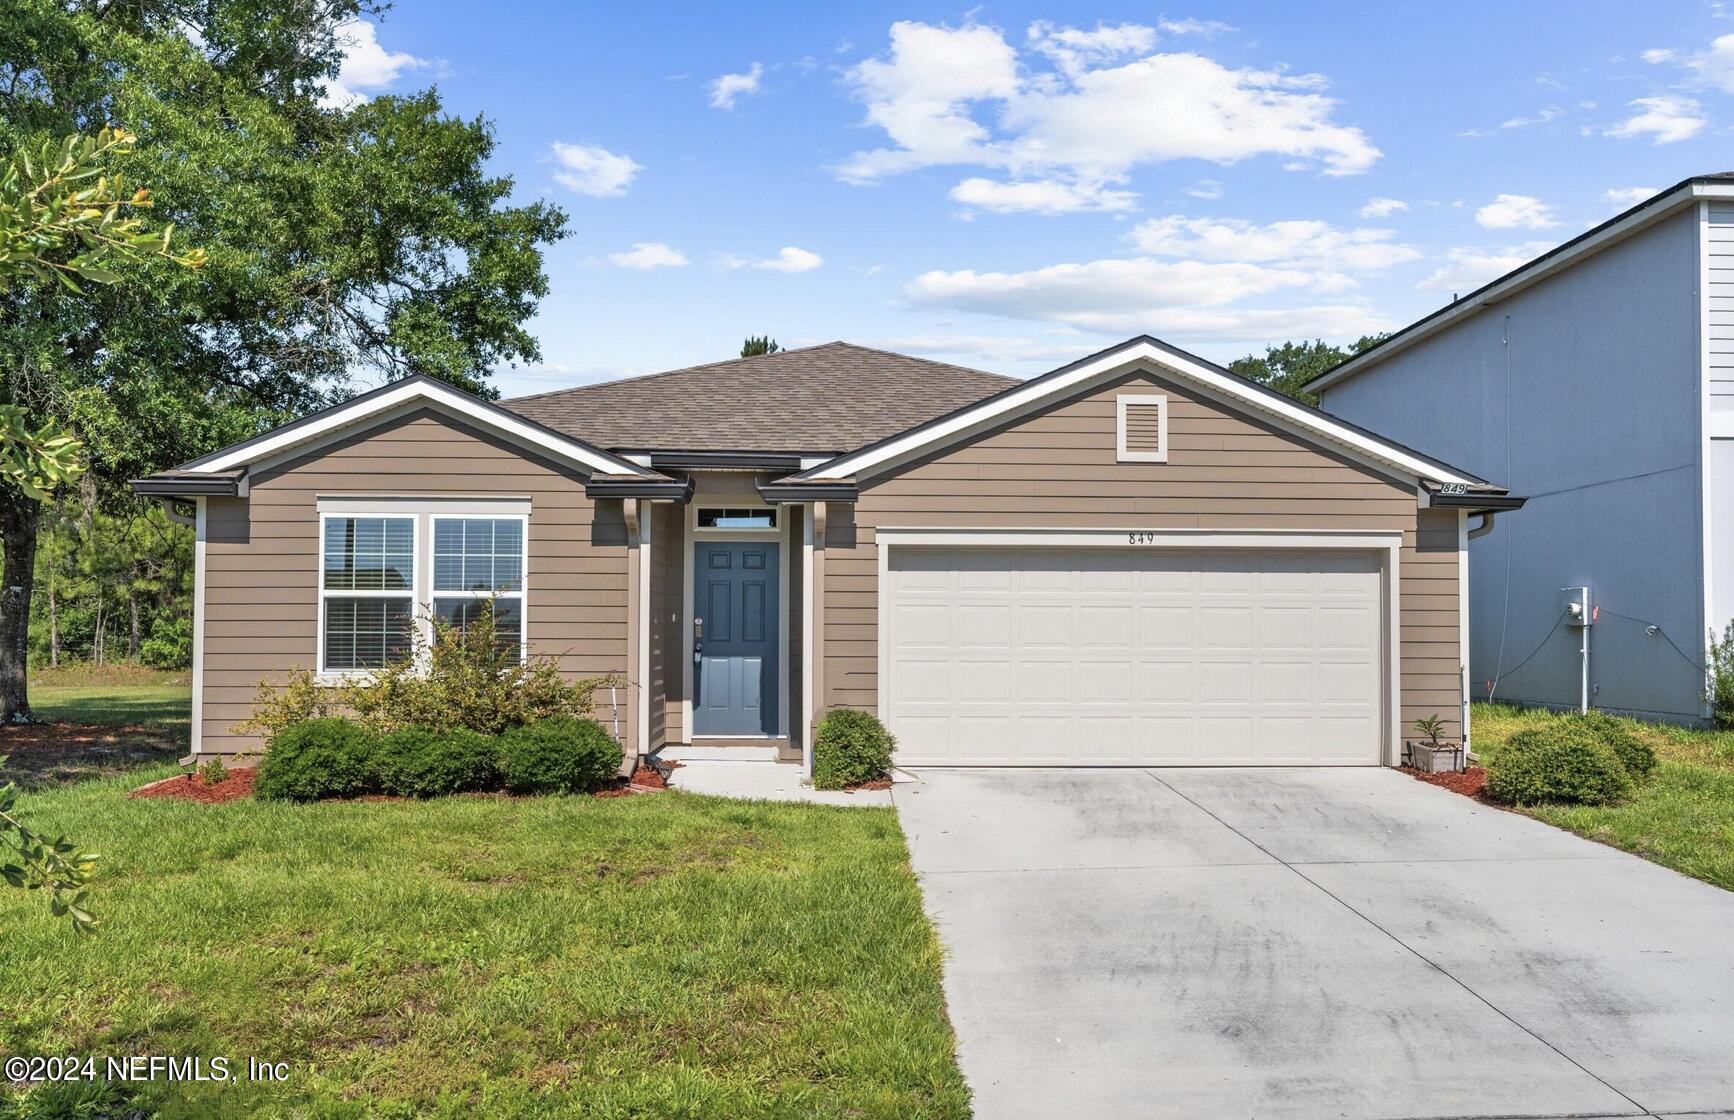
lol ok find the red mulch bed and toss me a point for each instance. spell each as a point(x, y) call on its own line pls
point(876, 783)
point(1470, 782)
point(239, 783)
point(191, 787)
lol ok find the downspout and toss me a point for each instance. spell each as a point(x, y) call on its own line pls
point(1486, 526)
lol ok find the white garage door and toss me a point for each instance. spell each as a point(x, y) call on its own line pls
point(1112, 657)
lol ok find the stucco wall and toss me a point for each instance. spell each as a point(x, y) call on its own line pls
point(1581, 393)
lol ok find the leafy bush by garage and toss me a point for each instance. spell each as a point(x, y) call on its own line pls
point(423, 762)
point(851, 747)
point(559, 754)
point(1560, 761)
point(316, 759)
point(1637, 756)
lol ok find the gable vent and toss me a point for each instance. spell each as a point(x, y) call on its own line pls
point(1141, 425)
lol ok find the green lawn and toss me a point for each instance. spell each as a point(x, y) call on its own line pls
point(651, 956)
point(118, 695)
point(1684, 818)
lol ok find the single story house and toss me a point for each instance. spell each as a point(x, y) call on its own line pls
point(1136, 559)
point(1598, 379)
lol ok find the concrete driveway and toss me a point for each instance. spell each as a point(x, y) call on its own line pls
point(1310, 943)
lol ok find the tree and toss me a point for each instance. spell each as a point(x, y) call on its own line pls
point(1287, 368)
point(342, 242)
point(58, 866)
point(62, 218)
point(761, 344)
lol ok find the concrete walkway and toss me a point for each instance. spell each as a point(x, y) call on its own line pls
point(1310, 943)
point(764, 781)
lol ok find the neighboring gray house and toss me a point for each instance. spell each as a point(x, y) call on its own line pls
point(1598, 380)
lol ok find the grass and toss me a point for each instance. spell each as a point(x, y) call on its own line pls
point(651, 956)
point(1683, 818)
point(114, 695)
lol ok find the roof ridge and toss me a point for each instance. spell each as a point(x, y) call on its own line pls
point(753, 358)
point(671, 372)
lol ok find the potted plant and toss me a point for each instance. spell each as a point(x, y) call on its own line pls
point(1431, 755)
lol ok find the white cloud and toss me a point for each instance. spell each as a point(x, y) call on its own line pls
point(1715, 64)
point(1550, 113)
point(1627, 196)
point(593, 171)
point(788, 259)
point(1041, 196)
point(993, 349)
point(367, 67)
point(1206, 189)
point(1205, 28)
point(1467, 269)
point(1311, 245)
point(1173, 298)
point(1656, 55)
point(647, 255)
point(1093, 116)
point(1382, 207)
point(1072, 49)
point(1666, 117)
point(1516, 211)
point(726, 88)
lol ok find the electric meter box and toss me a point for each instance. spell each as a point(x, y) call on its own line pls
point(1578, 611)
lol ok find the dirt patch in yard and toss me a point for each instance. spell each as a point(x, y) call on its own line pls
point(1470, 783)
point(49, 754)
point(191, 787)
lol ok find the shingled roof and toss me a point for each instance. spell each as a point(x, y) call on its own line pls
point(830, 398)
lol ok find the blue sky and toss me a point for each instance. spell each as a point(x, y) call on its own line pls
point(1011, 186)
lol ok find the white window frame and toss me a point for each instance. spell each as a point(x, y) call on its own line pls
point(327, 594)
point(1121, 404)
point(749, 530)
point(523, 520)
point(423, 511)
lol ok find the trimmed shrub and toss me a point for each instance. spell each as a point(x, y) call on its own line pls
point(1558, 761)
point(559, 754)
point(851, 747)
point(1637, 756)
point(316, 759)
point(422, 762)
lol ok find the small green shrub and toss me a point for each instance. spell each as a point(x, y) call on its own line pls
point(851, 747)
point(422, 762)
point(1637, 756)
point(320, 758)
point(213, 773)
point(1719, 679)
point(559, 754)
point(1559, 761)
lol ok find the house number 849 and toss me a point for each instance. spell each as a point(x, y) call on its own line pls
point(1140, 538)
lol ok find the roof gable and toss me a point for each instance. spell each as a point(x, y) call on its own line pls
point(1144, 352)
point(392, 401)
point(1618, 228)
point(822, 399)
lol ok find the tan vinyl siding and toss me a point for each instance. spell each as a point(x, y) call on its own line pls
point(1058, 470)
point(668, 673)
point(262, 557)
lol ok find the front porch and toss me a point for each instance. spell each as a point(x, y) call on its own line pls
point(719, 587)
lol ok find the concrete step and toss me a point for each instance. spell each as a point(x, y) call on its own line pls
point(731, 753)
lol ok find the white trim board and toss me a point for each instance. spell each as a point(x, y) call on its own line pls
point(1142, 355)
point(1389, 545)
point(200, 543)
point(394, 402)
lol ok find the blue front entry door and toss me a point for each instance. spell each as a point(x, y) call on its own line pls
point(734, 629)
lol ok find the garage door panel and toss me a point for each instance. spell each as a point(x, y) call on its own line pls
point(1055, 656)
